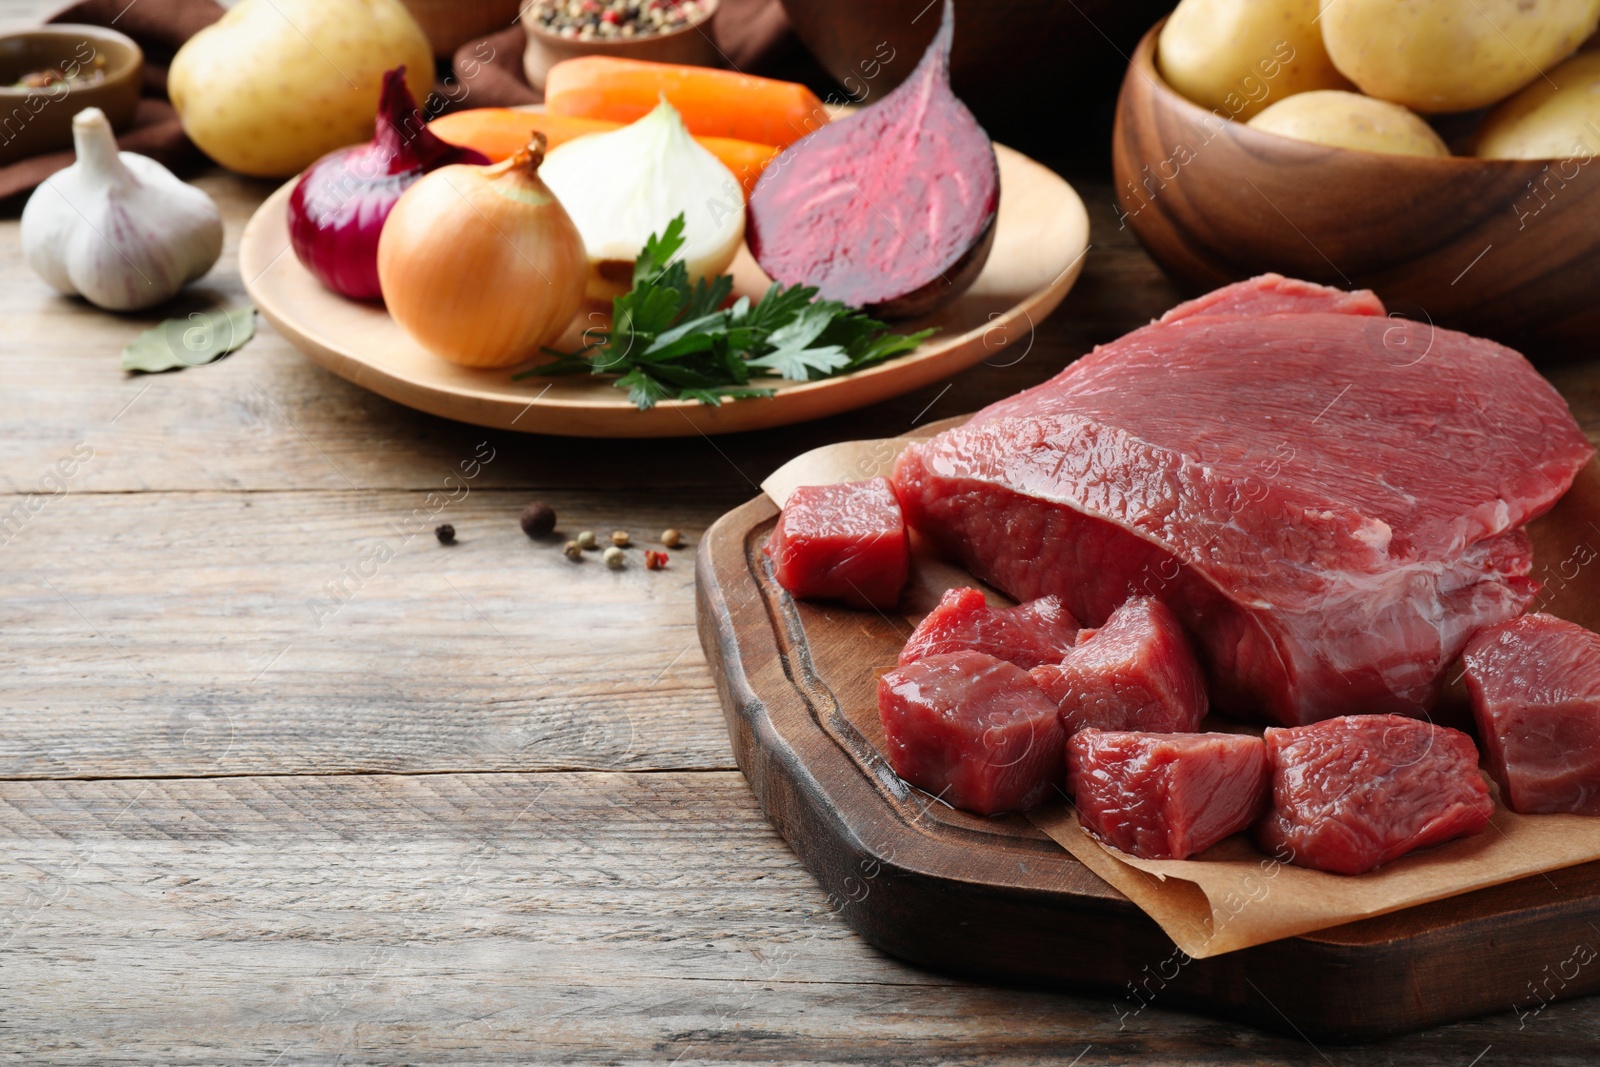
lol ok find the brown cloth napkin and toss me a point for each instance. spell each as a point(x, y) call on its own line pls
point(752, 34)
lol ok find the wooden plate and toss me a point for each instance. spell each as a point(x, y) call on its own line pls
point(996, 898)
point(1041, 236)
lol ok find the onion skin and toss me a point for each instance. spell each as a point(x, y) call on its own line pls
point(482, 265)
point(338, 207)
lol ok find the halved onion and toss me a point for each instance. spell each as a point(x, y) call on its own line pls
point(623, 186)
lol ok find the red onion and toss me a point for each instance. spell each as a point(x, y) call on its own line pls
point(338, 208)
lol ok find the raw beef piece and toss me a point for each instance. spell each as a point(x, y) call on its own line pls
point(1330, 500)
point(1535, 685)
point(843, 542)
point(1354, 792)
point(1273, 294)
point(1040, 631)
point(1134, 673)
point(1166, 796)
point(972, 730)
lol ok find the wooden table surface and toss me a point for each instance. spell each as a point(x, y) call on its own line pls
point(281, 785)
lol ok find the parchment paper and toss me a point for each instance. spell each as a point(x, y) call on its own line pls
point(1233, 896)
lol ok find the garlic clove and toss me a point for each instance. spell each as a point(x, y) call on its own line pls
point(117, 228)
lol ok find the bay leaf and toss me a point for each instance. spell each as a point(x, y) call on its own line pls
point(199, 338)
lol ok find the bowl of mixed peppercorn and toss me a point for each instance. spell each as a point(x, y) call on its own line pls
point(661, 31)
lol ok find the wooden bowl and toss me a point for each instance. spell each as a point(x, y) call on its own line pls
point(450, 24)
point(1022, 66)
point(1508, 249)
point(40, 120)
point(691, 43)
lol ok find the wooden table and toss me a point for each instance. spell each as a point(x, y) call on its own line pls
point(271, 793)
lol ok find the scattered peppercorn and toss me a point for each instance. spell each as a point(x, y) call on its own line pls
point(615, 558)
point(572, 550)
point(446, 534)
point(538, 519)
point(654, 561)
point(620, 538)
point(587, 542)
point(671, 538)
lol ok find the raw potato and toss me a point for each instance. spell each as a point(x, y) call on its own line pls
point(1452, 55)
point(276, 84)
point(1237, 56)
point(1350, 120)
point(1546, 122)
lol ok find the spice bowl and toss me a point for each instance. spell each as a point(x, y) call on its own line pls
point(75, 67)
point(1501, 248)
point(691, 43)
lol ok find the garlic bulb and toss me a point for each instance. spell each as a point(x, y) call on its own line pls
point(621, 187)
point(119, 229)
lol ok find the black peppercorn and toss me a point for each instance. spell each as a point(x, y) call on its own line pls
point(538, 519)
point(446, 534)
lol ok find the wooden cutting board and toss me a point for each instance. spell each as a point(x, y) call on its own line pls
point(995, 898)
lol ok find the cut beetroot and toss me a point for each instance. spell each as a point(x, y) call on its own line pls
point(842, 542)
point(1351, 793)
point(1166, 796)
point(1137, 672)
point(1040, 631)
point(972, 730)
point(891, 209)
point(1535, 685)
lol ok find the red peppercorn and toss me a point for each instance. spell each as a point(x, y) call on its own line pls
point(654, 560)
point(611, 17)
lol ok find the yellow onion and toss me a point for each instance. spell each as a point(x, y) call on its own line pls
point(482, 265)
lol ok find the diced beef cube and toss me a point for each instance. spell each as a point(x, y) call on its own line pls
point(1137, 672)
point(972, 730)
point(1354, 792)
point(1535, 685)
point(1166, 796)
point(842, 542)
point(1040, 631)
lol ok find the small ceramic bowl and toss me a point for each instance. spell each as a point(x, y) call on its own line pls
point(36, 120)
point(1505, 248)
point(692, 44)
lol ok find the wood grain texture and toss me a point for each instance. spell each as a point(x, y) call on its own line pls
point(1508, 249)
point(583, 918)
point(642, 911)
point(282, 633)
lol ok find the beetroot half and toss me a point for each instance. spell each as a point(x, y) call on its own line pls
point(891, 209)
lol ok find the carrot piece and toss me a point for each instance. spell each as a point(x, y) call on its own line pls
point(498, 132)
point(745, 158)
point(713, 103)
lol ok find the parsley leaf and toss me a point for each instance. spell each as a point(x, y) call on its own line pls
point(673, 340)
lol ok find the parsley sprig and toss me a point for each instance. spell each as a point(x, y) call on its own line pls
point(673, 340)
